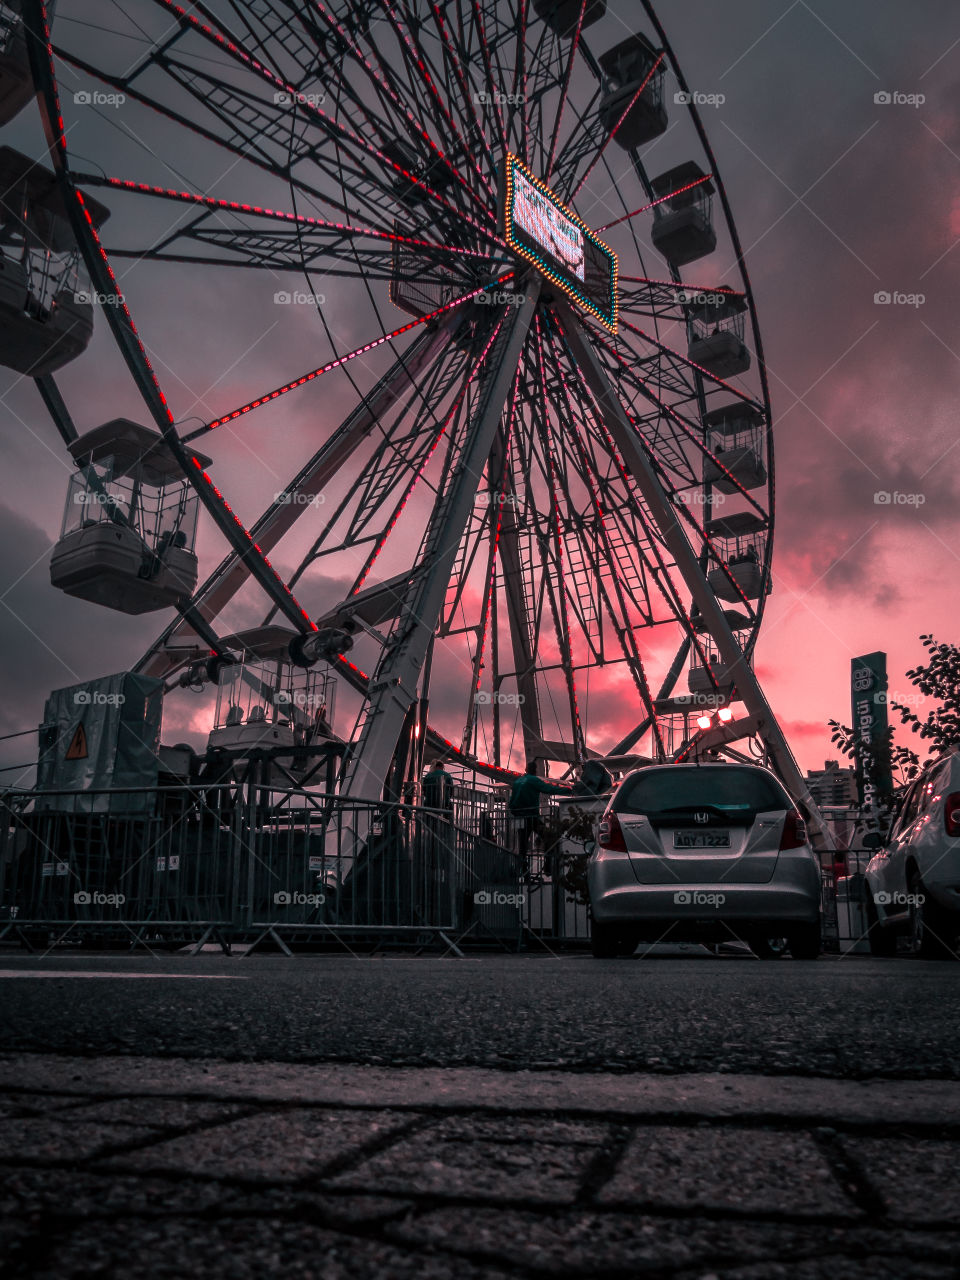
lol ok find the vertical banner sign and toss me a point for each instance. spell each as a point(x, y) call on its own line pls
point(868, 686)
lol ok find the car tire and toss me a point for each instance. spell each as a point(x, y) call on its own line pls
point(767, 948)
point(883, 942)
point(804, 941)
point(608, 941)
point(931, 928)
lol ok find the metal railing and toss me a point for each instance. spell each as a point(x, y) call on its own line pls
point(236, 863)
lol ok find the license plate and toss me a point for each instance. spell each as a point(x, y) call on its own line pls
point(701, 839)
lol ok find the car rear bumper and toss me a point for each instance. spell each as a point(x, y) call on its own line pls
point(792, 896)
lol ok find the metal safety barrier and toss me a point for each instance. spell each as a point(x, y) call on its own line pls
point(240, 863)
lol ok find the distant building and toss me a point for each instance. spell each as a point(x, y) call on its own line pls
point(833, 785)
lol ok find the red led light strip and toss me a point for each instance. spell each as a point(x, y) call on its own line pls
point(234, 206)
point(455, 408)
point(335, 364)
point(671, 413)
point(610, 136)
point(334, 126)
point(121, 309)
point(434, 93)
point(645, 208)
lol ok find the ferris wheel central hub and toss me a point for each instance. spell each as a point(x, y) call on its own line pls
point(542, 231)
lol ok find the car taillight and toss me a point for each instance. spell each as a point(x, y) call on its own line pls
point(611, 834)
point(951, 814)
point(794, 831)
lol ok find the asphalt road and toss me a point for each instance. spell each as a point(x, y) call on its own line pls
point(851, 1018)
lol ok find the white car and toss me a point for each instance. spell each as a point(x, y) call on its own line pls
point(912, 885)
point(703, 853)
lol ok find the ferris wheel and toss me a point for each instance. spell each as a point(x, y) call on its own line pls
point(562, 476)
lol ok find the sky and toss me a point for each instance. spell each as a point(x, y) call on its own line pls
point(838, 136)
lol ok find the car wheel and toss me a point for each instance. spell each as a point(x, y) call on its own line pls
point(883, 942)
point(932, 930)
point(804, 941)
point(768, 948)
point(610, 940)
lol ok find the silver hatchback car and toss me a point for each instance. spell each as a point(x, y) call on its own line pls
point(703, 853)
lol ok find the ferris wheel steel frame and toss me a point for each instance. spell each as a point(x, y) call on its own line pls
point(631, 402)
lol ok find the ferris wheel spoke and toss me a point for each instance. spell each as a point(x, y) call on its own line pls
point(251, 130)
point(313, 374)
point(453, 62)
point(695, 437)
point(401, 664)
point(302, 238)
point(417, 63)
point(614, 545)
point(568, 72)
point(678, 191)
point(638, 525)
point(312, 479)
point(414, 127)
point(334, 129)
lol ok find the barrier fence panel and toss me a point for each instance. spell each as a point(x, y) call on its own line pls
point(243, 861)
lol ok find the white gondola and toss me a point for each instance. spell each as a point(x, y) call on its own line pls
point(16, 81)
point(699, 678)
point(268, 704)
point(683, 224)
point(46, 309)
point(626, 69)
point(130, 522)
point(739, 538)
point(735, 438)
point(716, 340)
point(561, 15)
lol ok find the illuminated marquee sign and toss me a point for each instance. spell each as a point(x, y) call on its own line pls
point(540, 228)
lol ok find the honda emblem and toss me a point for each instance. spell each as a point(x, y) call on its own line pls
point(701, 817)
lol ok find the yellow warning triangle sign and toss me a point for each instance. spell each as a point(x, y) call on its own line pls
point(77, 749)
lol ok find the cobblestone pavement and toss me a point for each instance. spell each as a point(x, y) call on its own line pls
point(169, 1168)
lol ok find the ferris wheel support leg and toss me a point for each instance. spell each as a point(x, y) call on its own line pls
point(394, 685)
point(666, 517)
point(524, 659)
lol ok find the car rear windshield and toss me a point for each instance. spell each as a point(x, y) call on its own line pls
point(728, 790)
